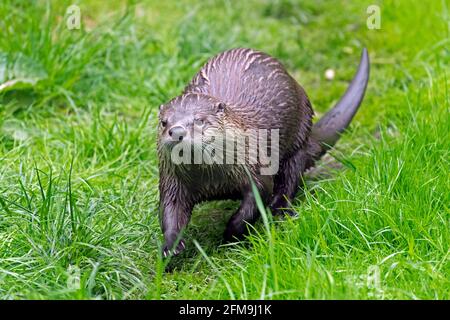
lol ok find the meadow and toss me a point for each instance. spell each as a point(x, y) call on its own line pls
point(79, 169)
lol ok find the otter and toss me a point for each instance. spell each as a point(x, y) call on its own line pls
point(242, 90)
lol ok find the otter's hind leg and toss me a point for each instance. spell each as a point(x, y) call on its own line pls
point(287, 182)
point(288, 178)
point(248, 211)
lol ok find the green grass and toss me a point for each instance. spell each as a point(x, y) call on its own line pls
point(78, 163)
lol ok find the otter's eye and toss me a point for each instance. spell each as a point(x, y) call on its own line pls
point(199, 122)
point(163, 123)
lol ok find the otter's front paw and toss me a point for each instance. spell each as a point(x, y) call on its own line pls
point(281, 207)
point(234, 232)
point(169, 250)
point(282, 212)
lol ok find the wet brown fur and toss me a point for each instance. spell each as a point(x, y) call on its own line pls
point(257, 93)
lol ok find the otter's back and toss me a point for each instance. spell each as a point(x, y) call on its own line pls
point(259, 89)
point(246, 77)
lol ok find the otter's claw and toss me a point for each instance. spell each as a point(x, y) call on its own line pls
point(168, 250)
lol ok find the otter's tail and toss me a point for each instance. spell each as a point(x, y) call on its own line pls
point(329, 128)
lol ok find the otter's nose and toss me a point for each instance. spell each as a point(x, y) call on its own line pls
point(177, 133)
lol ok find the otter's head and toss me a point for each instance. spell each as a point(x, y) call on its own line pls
point(187, 117)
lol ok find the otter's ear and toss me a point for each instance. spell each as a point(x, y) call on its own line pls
point(220, 107)
point(161, 107)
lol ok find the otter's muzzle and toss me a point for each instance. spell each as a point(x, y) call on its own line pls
point(177, 133)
